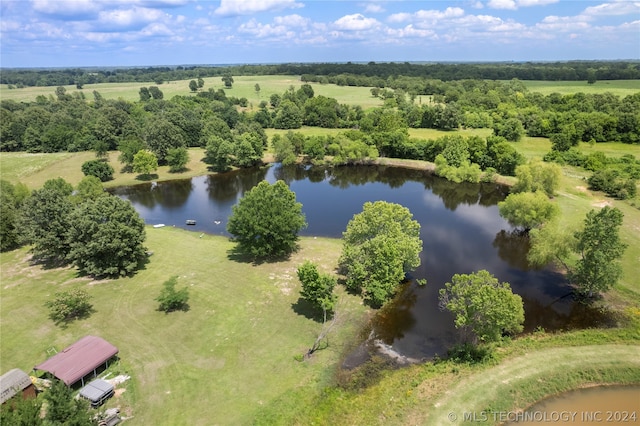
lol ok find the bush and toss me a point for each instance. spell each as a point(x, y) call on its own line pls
point(69, 305)
point(98, 168)
point(171, 299)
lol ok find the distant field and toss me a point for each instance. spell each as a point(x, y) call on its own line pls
point(243, 87)
point(621, 88)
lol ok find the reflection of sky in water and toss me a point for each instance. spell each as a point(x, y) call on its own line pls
point(458, 234)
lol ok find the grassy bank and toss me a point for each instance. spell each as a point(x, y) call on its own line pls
point(218, 363)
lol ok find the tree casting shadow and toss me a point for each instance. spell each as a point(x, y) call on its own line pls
point(304, 308)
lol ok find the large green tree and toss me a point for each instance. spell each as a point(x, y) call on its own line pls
point(64, 409)
point(45, 220)
point(11, 199)
point(380, 245)
point(597, 247)
point(528, 210)
point(600, 249)
point(106, 237)
point(266, 220)
point(161, 135)
point(145, 162)
point(177, 159)
point(538, 176)
point(484, 308)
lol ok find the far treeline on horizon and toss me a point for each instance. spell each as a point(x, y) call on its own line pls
point(374, 74)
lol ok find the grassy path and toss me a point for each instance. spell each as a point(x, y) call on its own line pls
point(515, 383)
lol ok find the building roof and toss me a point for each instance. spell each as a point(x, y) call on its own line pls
point(12, 382)
point(96, 390)
point(79, 359)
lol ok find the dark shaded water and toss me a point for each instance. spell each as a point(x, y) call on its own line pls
point(461, 230)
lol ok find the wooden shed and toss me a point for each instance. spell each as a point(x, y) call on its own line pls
point(15, 382)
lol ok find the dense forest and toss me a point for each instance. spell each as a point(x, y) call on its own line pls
point(382, 74)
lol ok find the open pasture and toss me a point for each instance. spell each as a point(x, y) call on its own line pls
point(243, 87)
point(620, 88)
point(230, 354)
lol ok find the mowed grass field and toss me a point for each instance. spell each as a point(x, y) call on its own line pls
point(620, 88)
point(243, 87)
point(231, 354)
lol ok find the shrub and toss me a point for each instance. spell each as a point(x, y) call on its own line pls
point(98, 168)
point(69, 305)
point(171, 299)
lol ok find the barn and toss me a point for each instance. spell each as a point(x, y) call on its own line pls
point(79, 360)
point(15, 382)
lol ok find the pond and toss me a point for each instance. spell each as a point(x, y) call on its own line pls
point(462, 232)
point(597, 405)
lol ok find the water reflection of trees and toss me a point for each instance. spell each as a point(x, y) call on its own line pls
point(170, 194)
point(225, 187)
point(513, 247)
point(452, 194)
point(395, 317)
point(579, 315)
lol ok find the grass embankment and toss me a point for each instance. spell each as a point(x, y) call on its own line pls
point(217, 363)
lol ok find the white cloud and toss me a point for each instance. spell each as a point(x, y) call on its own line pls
point(515, 4)
point(433, 15)
point(356, 22)
point(563, 23)
point(264, 30)
point(134, 18)
point(529, 3)
point(247, 7)
point(399, 17)
point(411, 32)
point(292, 20)
point(373, 8)
point(427, 17)
point(613, 9)
point(68, 9)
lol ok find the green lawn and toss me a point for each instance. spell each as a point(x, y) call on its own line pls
point(243, 87)
point(621, 88)
point(219, 363)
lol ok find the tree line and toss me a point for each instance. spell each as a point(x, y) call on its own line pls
point(351, 74)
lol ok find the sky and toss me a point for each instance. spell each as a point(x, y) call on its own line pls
point(74, 33)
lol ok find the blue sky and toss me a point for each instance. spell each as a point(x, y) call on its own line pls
point(60, 33)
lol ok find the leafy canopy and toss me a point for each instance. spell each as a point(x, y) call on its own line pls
point(317, 288)
point(600, 249)
point(528, 209)
point(69, 305)
point(106, 237)
point(171, 299)
point(484, 308)
point(266, 220)
point(380, 245)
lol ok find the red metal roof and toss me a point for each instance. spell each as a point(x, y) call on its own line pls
point(79, 359)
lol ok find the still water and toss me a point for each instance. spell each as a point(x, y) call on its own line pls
point(615, 405)
point(461, 230)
